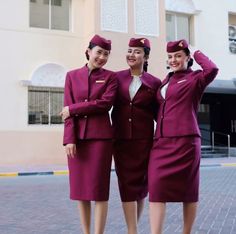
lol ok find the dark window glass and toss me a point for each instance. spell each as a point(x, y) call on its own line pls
point(44, 105)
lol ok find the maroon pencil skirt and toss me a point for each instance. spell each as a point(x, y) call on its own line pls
point(173, 169)
point(131, 162)
point(89, 171)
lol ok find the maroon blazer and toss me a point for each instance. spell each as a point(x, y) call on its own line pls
point(177, 114)
point(89, 97)
point(134, 119)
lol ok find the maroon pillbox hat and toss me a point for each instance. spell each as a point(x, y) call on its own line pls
point(102, 42)
point(173, 46)
point(139, 42)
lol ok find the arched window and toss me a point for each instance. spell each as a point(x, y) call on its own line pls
point(45, 94)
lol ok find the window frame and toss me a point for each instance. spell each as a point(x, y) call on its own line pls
point(176, 14)
point(50, 91)
point(232, 38)
point(50, 17)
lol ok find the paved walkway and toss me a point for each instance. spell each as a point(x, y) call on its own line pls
point(40, 205)
point(15, 170)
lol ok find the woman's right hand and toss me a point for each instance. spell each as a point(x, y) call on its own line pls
point(65, 113)
point(70, 150)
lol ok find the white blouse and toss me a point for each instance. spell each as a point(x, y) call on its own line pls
point(164, 89)
point(134, 86)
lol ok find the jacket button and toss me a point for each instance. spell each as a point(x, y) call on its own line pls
point(85, 100)
point(85, 116)
point(130, 103)
point(130, 120)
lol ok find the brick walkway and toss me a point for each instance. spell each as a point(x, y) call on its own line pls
point(40, 205)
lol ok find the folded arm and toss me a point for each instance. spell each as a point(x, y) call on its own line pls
point(100, 105)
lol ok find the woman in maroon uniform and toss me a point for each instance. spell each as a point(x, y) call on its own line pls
point(175, 157)
point(132, 116)
point(89, 95)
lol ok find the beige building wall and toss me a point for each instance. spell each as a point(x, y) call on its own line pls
point(24, 49)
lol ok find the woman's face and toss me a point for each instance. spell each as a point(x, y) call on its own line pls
point(135, 57)
point(97, 57)
point(178, 60)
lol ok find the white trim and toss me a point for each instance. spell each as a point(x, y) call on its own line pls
point(41, 78)
point(181, 6)
point(50, 14)
point(25, 83)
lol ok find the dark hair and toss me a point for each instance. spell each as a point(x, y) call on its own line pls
point(146, 53)
point(145, 66)
point(187, 52)
point(146, 50)
point(91, 45)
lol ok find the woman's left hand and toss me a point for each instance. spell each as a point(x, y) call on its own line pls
point(65, 113)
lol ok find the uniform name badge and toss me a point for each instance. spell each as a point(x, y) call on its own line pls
point(100, 81)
